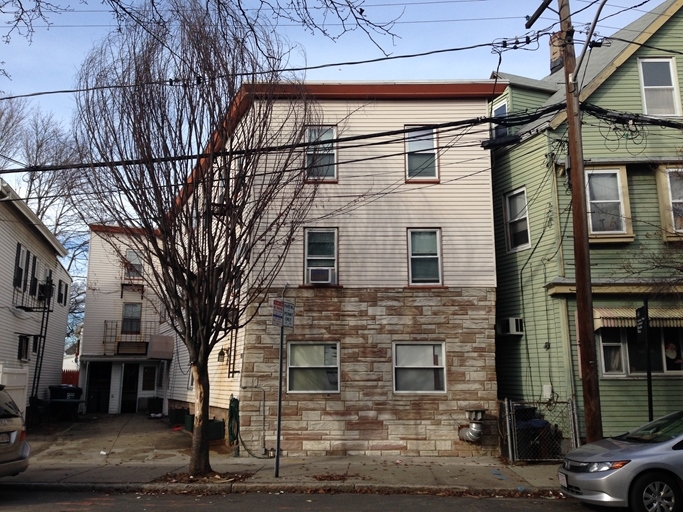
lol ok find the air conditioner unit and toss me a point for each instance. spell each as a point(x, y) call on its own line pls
point(511, 326)
point(321, 275)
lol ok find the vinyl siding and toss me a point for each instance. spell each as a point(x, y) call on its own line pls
point(373, 234)
point(14, 228)
point(525, 363)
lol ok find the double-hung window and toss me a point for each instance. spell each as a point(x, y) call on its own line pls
point(321, 159)
point(670, 190)
point(609, 211)
point(23, 349)
point(321, 256)
point(132, 315)
point(500, 130)
point(659, 87)
point(419, 368)
point(133, 264)
point(424, 247)
point(421, 156)
point(313, 368)
point(624, 355)
point(21, 267)
point(516, 220)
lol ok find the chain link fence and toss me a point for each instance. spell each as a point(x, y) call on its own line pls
point(537, 431)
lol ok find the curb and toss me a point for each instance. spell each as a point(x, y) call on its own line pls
point(275, 488)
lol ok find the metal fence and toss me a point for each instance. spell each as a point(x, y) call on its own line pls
point(537, 431)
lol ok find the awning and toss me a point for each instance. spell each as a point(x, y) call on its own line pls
point(626, 317)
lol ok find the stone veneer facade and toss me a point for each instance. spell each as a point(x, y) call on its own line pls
point(367, 417)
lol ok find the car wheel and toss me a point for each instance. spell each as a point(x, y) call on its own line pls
point(656, 492)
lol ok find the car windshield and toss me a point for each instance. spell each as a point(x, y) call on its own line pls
point(658, 431)
point(8, 409)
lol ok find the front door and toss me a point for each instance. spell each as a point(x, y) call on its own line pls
point(99, 382)
point(129, 389)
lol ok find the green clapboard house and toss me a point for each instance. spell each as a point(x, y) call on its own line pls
point(630, 93)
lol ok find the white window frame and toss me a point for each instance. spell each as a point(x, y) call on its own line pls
point(668, 205)
point(317, 134)
point(415, 138)
point(417, 367)
point(333, 258)
point(412, 256)
point(658, 344)
point(673, 88)
point(133, 267)
point(334, 368)
point(23, 349)
point(624, 234)
point(509, 220)
point(500, 131)
point(125, 318)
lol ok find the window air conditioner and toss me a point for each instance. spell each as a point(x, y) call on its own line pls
point(321, 275)
point(511, 326)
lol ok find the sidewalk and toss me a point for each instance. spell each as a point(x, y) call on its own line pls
point(131, 453)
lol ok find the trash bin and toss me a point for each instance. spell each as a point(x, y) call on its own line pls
point(155, 405)
point(65, 392)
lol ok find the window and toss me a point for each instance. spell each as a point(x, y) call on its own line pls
point(36, 344)
point(425, 262)
point(313, 368)
point(670, 190)
point(23, 348)
point(320, 155)
point(133, 264)
point(19, 266)
point(500, 130)
point(659, 88)
point(22, 265)
point(609, 213)
point(419, 368)
point(623, 354)
point(33, 282)
point(132, 314)
point(321, 256)
point(149, 376)
point(516, 222)
point(421, 154)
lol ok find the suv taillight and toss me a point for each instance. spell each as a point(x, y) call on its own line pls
point(22, 435)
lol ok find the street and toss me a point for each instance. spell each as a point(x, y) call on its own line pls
point(83, 501)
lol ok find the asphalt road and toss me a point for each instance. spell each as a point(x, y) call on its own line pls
point(79, 502)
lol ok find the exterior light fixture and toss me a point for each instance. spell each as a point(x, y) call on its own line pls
point(221, 356)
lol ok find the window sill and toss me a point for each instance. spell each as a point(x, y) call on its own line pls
point(672, 236)
point(621, 238)
point(425, 286)
point(326, 181)
point(322, 285)
point(423, 181)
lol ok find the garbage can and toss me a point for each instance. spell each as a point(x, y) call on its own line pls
point(65, 392)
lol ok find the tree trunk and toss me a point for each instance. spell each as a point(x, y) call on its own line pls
point(199, 456)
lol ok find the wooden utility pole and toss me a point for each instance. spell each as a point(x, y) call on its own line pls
point(585, 330)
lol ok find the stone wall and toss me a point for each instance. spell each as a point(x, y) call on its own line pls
point(367, 416)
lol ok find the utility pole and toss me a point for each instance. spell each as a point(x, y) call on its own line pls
point(585, 330)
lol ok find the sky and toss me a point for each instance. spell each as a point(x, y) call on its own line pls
point(51, 60)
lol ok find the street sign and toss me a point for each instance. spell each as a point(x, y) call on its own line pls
point(288, 317)
point(283, 313)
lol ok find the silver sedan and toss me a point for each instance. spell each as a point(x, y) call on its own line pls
point(642, 469)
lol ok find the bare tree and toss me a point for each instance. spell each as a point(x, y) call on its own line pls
point(182, 161)
point(44, 141)
point(12, 115)
point(332, 18)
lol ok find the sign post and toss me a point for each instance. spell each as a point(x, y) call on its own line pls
point(643, 324)
point(283, 316)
